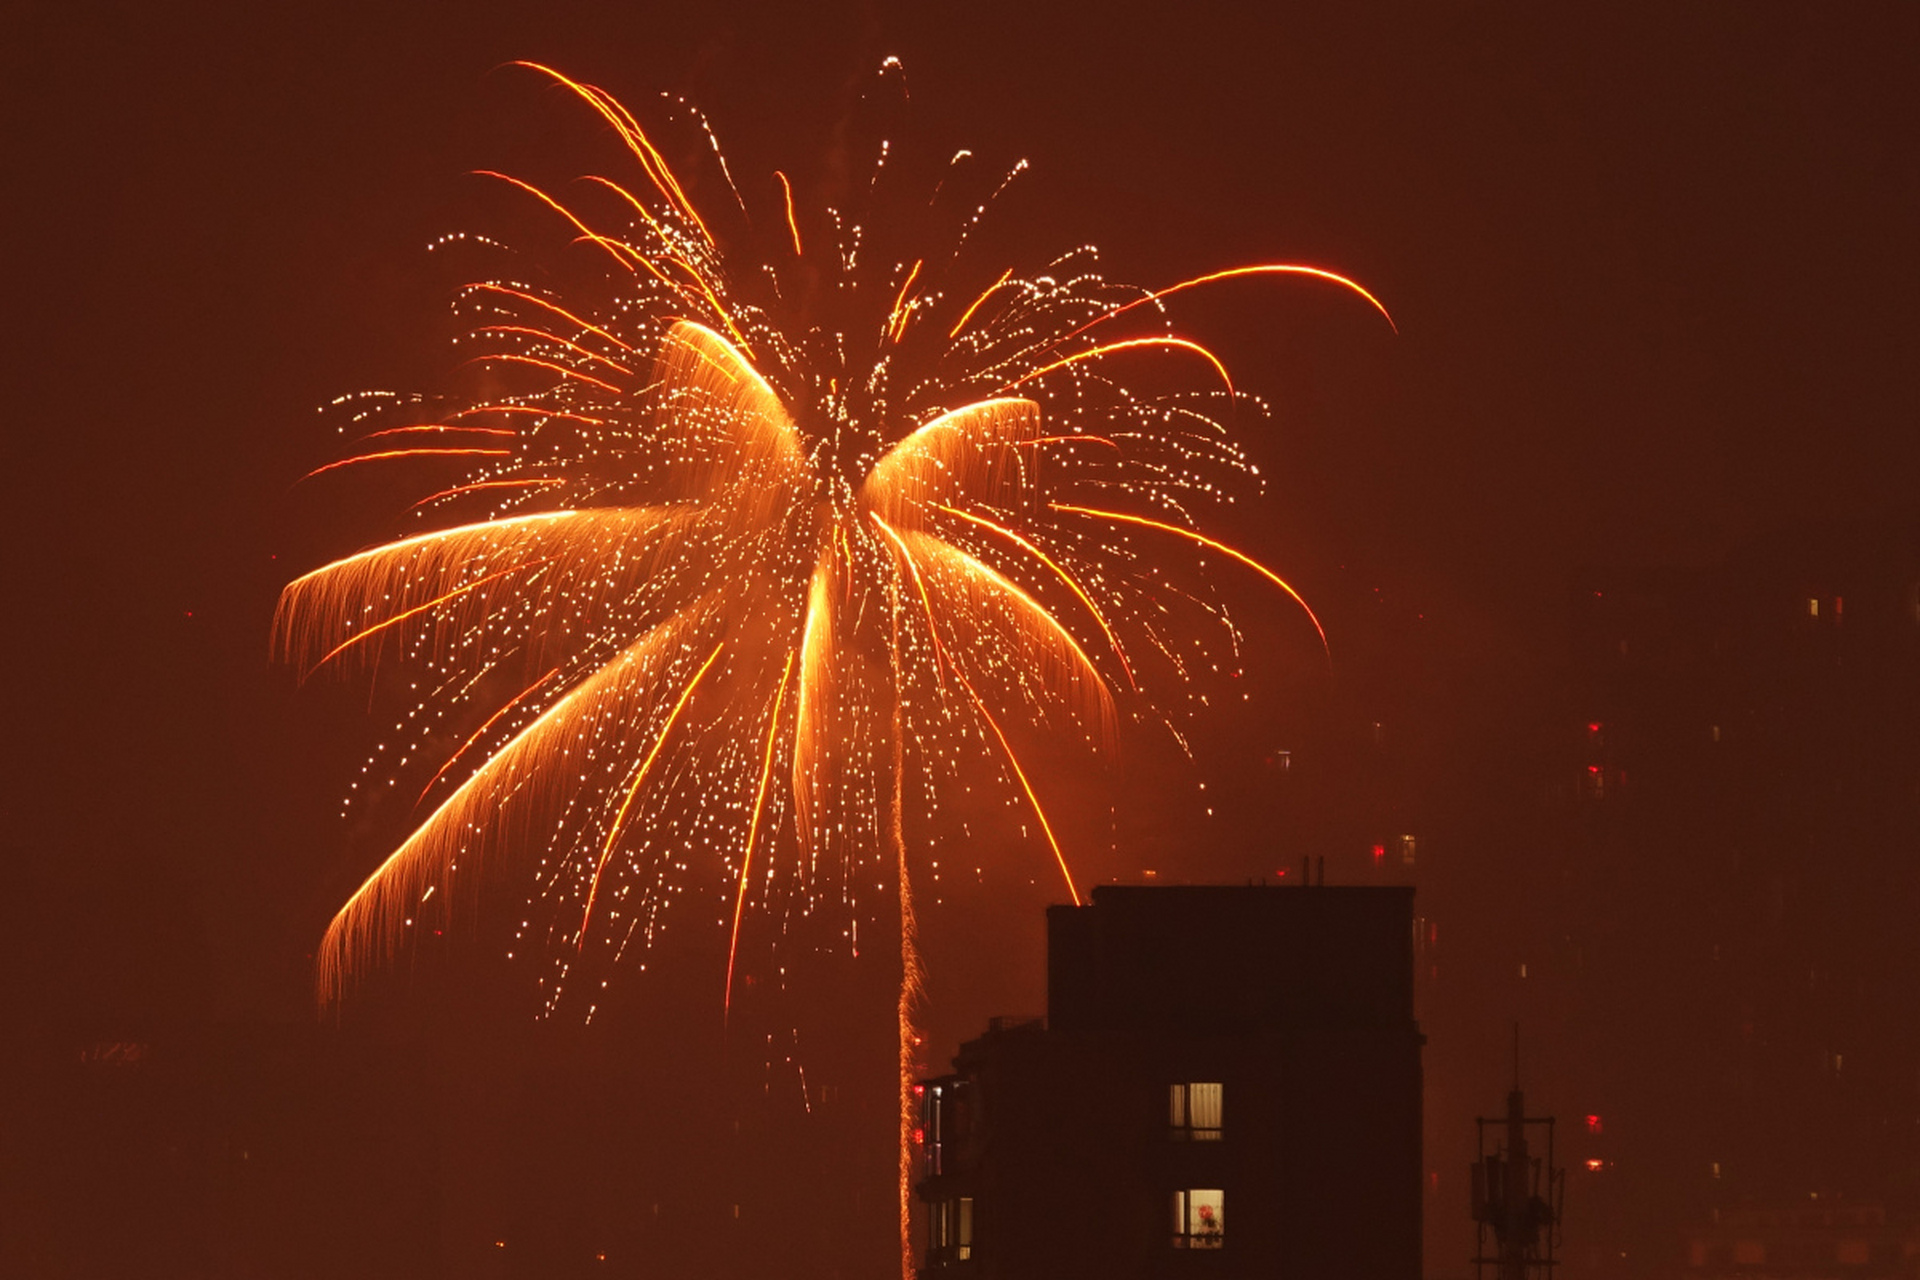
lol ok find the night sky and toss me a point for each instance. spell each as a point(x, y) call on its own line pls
point(1652, 268)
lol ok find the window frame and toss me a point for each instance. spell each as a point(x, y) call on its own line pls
point(949, 1231)
point(1182, 1106)
point(1187, 1211)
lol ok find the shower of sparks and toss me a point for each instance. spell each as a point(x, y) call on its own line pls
point(739, 525)
point(747, 553)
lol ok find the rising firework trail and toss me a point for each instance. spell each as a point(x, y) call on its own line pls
point(762, 536)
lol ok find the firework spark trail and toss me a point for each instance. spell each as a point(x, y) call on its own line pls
point(1053, 566)
point(479, 734)
point(822, 475)
point(911, 974)
point(1211, 544)
point(388, 455)
point(633, 789)
point(753, 831)
point(1231, 273)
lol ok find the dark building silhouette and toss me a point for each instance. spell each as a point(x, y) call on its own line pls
point(1725, 850)
point(1807, 1240)
point(1227, 1083)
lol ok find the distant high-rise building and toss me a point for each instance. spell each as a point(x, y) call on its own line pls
point(1731, 830)
point(1227, 1082)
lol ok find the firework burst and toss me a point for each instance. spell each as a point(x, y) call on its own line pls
point(750, 556)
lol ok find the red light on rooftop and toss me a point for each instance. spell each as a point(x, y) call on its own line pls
point(1593, 726)
point(1593, 1124)
point(1379, 852)
point(919, 1090)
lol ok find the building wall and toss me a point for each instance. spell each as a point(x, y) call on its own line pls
point(1295, 1001)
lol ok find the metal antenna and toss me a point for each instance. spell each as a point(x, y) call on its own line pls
point(1516, 1197)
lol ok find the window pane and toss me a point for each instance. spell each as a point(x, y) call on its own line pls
point(1206, 1217)
point(1203, 1104)
point(1177, 1105)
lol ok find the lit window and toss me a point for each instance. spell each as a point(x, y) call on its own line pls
point(950, 1231)
point(1408, 847)
point(1193, 1111)
point(1199, 1219)
point(1813, 606)
point(942, 1127)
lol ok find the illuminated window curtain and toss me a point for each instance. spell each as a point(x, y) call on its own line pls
point(1203, 1109)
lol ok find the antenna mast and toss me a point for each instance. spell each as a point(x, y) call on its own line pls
point(1516, 1196)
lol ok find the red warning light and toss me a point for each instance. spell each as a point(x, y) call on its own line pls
point(1379, 852)
point(1593, 1124)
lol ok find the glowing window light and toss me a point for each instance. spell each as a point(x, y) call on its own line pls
point(1194, 1110)
point(1199, 1219)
